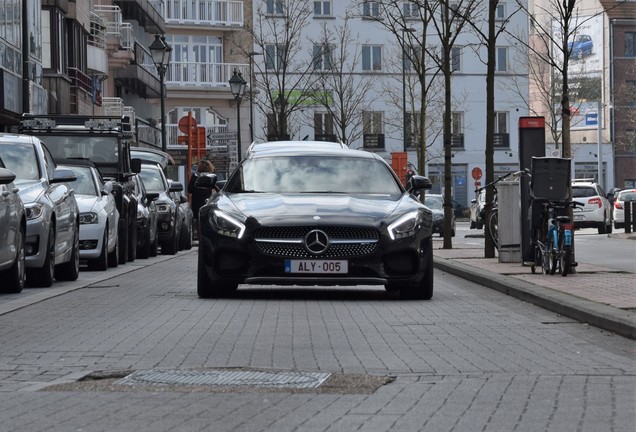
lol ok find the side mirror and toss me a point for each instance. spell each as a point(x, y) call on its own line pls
point(135, 165)
point(6, 176)
point(151, 196)
point(418, 183)
point(63, 175)
point(175, 187)
point(108, 188)
point(183, 199)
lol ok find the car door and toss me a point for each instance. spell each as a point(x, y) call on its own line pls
point(9, 216)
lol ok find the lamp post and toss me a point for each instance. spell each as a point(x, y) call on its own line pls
point(160, 52)
point(404, 122)
point(237, 85)
point(252, 54)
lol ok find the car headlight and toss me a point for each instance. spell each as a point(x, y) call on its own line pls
point(226, 225)
point(88, 218)
point(34, 210)
point(406, 225)
point(164, 208)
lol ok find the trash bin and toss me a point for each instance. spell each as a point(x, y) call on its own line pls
point(509, 208)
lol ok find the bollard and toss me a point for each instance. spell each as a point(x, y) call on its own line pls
point(628, 206)
point(633, 208)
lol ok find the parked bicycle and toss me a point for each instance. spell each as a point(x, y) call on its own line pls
point(554, 239)
point(492, 218)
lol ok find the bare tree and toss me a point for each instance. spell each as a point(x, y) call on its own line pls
point(285, 73)
point(339, 90)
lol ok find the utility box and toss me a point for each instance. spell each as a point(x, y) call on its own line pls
point(509, 214)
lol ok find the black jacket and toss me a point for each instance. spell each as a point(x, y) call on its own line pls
point(199, 195)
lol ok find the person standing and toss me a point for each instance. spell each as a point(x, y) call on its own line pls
point(199, 194)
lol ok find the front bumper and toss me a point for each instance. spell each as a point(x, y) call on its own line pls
point(91, 238)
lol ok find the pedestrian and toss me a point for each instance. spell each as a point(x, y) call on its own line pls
point(199, 194)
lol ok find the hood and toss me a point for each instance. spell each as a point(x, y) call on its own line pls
point(85, 202)
point(274, 208)
point(29, 190)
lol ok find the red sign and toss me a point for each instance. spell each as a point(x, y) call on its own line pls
point(186, 123)
point(531, 122)
point(476, 173)
point(477, 184)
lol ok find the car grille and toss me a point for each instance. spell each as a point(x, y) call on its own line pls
point(345, 242)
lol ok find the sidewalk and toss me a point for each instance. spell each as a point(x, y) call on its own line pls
point(599, 296)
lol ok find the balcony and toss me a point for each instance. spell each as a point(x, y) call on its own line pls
point(147, 13)
point(81, 90)
point(373, 142)
point(96, 56)
point(191, 74)
point(501, 141)
point(140, 77)
point(457, 141)
point(207, 13)
point(116, 31)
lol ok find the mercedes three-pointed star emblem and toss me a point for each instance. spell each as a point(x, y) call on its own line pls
point(316, 241)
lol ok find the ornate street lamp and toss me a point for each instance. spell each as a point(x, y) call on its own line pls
point(160, 52)
point(237, 86)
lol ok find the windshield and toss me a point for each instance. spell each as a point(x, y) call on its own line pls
point(314, 174)
point(85, 183)
point(433, 202)
point(153, 180)
point(21, 159)
point(99, 149)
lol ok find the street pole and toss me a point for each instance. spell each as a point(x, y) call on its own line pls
point(164, 143)
point(252, 54)
point(599, 119)
point(404, 119)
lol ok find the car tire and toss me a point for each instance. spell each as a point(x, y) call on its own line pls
point(143, 251)
point(43, 276)
point(473, 225)
point(113, 257)
point(206, 287)
point(132, 241)
point(101, 263)
point(69, 271)
point(171, 246)
point(15, 276)
point(602, 228)
point(185, 239)
point(123, 241)
point(423, 290)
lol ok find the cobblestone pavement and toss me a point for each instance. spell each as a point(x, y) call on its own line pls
point(471, 359)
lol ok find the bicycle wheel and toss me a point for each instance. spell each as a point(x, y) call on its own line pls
point(493, 226)
point(545, 259)
point(566, 257)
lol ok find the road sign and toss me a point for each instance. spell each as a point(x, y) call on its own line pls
point(184, 122)
point(476, 173)
point(222, 136)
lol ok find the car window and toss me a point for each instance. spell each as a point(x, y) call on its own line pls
point(583, 191)
point(96, 148)
point(627, 196)
point(314, 174)
point(153, 181)
point(21, 159)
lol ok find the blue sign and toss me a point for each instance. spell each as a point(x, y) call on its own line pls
point(591, 119)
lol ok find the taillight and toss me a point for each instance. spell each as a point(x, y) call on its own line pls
point(617, 205)
point(596, 201)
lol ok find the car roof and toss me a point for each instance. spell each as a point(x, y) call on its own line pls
point(11, 137)
point(288, 145)
point(75, 162)
point(322, 148)
point(154, 156)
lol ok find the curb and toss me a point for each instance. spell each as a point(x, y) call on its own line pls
point(599, 315)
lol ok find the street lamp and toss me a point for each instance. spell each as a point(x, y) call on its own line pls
point(404, 122)
point(160, 52)
point(252, 54)
point(237, 85)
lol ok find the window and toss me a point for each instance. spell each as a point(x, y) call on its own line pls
point(371, 9)
point(410, 10)
point(372, 126)
point(274, 56)
point(412, 124)
point(502, 137)
point(630, 142)
point(323, 127)
point(457, 130)
point(371, 57)
point(630, 94)
point(630, 44)
point(500, 12)
point(502, 59)
point(322, 57)
point(274, 7)
point(322, 8)
point(456, 53)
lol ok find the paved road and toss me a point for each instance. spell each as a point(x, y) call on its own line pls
point(471, 359)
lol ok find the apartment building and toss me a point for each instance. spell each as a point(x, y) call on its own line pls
point(390, 105)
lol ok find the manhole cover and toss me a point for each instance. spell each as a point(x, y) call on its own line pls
point(301, 380)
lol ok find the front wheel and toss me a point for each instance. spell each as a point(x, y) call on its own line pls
point(493, 226)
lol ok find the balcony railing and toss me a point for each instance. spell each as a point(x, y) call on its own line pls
point(204, 12)
point(203, 74)
point(373, 141)
point(501, 140)
point(457, 141)
point(97, 37)
point(115, 26)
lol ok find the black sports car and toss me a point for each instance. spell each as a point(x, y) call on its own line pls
point(315, 213)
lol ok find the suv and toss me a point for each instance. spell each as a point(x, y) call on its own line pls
point(597, 211)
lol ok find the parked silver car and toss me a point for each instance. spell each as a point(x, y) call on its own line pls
point(52, 231)
point(12, 234)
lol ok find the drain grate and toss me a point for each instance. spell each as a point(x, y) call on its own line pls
point(301, 380)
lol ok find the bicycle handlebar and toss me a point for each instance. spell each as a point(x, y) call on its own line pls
point(525, 171)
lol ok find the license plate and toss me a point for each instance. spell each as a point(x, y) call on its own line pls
point(578, 217)
point(317, 266)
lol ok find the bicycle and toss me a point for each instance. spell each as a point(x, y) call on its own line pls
point(554, 255)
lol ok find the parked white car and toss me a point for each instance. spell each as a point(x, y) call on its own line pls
point(12, 234)
point(99, 217)
point(597, 211)
point(619, 206)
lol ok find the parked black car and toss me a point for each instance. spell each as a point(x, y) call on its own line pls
point(315, 214)
point(147, 235)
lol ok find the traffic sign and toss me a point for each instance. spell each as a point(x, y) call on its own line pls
point(476, 173)
point(222, 136)
point(186, 121)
